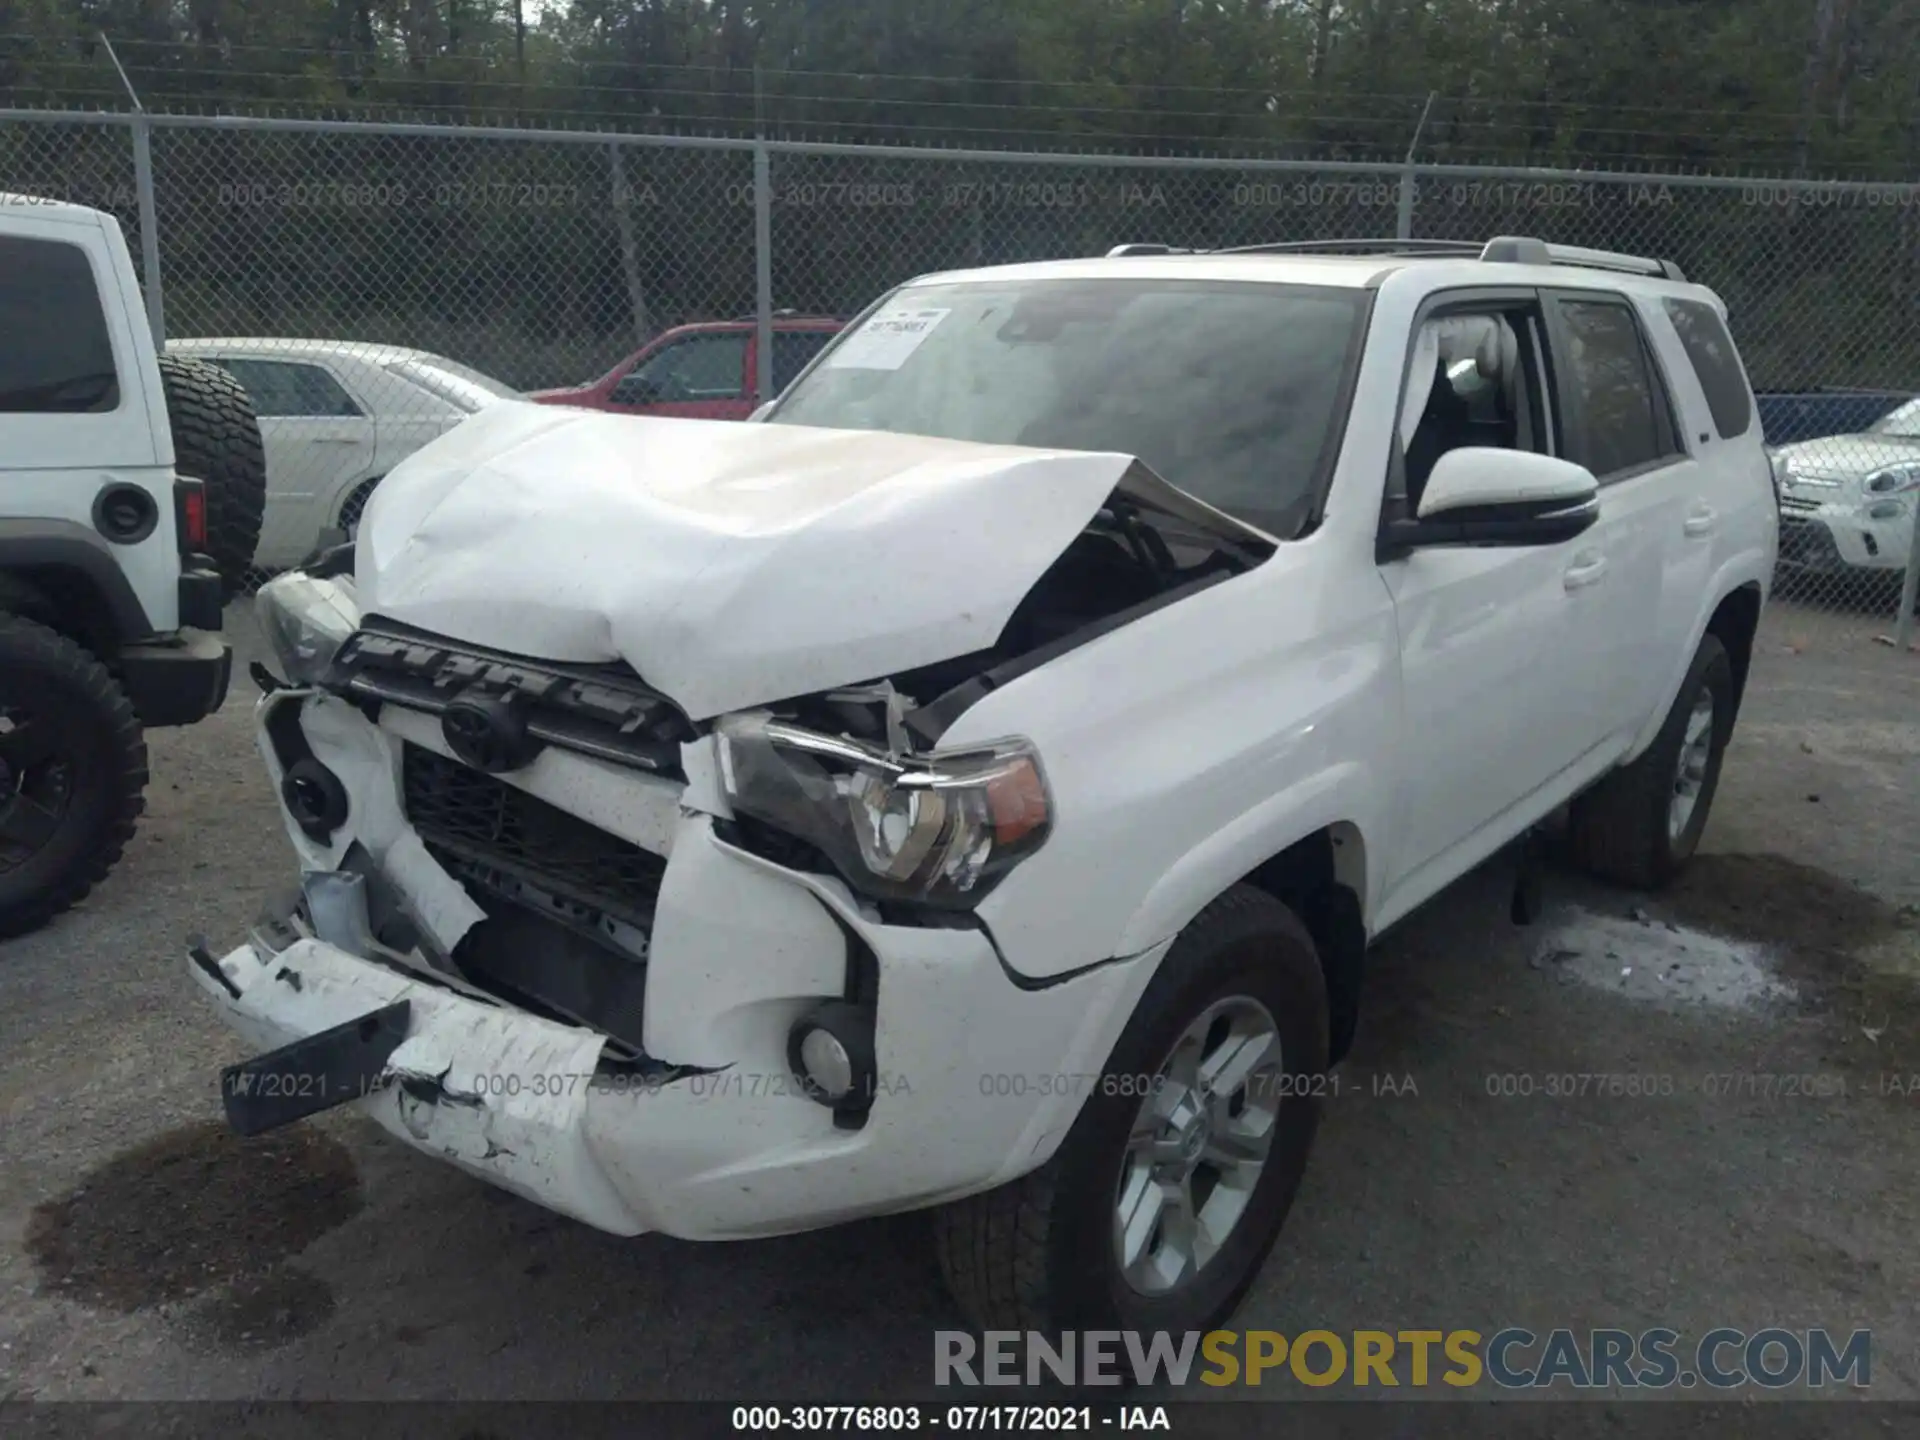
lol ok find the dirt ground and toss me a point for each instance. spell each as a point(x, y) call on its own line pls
point(1771, 1179)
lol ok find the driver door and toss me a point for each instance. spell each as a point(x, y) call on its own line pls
point(1499, 645)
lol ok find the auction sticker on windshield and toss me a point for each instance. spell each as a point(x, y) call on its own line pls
point(887, 340)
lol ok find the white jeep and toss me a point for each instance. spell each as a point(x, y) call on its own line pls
point(976, 785)
point(130, 494)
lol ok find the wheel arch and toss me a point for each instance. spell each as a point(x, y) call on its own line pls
point(353, 497)
point(1734, 622)
point(1322, 878)
point(1731, 615)
point(64, 576)
point(1306, 851)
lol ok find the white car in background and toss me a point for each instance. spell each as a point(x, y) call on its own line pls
point(1847, 501)
point(336, 416)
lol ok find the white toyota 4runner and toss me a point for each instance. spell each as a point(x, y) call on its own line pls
point(976, 785)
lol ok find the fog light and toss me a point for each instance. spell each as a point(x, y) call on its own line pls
point(315, 798)
point(825, 1062)
point(831, 1051)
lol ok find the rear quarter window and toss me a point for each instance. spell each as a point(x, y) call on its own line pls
point(55, 354)
point(1716, 363)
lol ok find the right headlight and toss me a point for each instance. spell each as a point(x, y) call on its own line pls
point(939, 829)
point(306, 621)
point(1894, 480)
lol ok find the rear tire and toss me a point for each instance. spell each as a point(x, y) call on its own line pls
point(1046, 1251)
point(216, 440)
point(1632, 828)
point(73, 772)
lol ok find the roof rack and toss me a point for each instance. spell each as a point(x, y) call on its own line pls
point(1357, 247)
point(1525, 250)
point(1501, 250)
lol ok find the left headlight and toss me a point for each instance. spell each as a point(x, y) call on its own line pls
point(306, 621)
point(939, 829)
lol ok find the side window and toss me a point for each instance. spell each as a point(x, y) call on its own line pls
point(281, 388)
point(1474, 380)
point(793, 351)
point(1716, 363)
point(1625, 418)
point(700, 367)
point(56, 356)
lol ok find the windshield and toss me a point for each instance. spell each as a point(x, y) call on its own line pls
point(1230, 391)
point(453, 383)
point(1904, 422)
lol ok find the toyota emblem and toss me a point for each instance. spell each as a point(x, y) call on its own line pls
point(487, 732)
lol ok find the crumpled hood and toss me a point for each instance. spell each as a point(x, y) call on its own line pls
point(729, 564)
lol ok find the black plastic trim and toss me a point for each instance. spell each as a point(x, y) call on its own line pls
point(203, 596)
point(177, 682)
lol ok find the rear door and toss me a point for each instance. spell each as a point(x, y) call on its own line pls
point(318, 439)
point(1731, 507)
point(702, 376)
point(1622, 425)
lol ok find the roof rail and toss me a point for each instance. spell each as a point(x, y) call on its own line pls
point(1355, 247)
point(1501, 250)
point(1525, 250)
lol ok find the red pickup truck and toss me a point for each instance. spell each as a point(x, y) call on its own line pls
point(706, 371)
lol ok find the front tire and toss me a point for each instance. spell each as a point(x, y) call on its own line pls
point(73, 772)
point(1641, 824)
point(1157, 1211)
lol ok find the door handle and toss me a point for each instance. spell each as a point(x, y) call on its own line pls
point(1700, 520)
point(1587, 568)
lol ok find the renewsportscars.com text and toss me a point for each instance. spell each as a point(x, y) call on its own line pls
point(1510, 1359)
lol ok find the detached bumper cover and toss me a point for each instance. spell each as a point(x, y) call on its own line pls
point(524, 1102)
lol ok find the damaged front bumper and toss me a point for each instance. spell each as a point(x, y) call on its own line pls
point(707, 1134)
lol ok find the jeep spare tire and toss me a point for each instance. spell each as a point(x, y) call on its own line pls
point(216, 440)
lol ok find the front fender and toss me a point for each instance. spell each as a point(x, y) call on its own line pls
point(1336, 796)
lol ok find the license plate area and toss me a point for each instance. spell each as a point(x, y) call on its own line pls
point(313, 1074)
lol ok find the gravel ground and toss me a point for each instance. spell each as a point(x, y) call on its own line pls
point(145, 1254)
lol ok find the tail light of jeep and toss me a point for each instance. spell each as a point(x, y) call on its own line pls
point(190, 515)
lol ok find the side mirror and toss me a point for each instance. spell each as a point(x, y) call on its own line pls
point(1481, 495)
point(638, 390)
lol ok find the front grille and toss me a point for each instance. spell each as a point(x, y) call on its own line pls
point(1796, 502)
point(601, 710)
point(466, 815)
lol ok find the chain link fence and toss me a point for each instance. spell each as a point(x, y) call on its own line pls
point(532, 260)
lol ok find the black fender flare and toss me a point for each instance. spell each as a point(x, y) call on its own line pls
point(32, 548)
